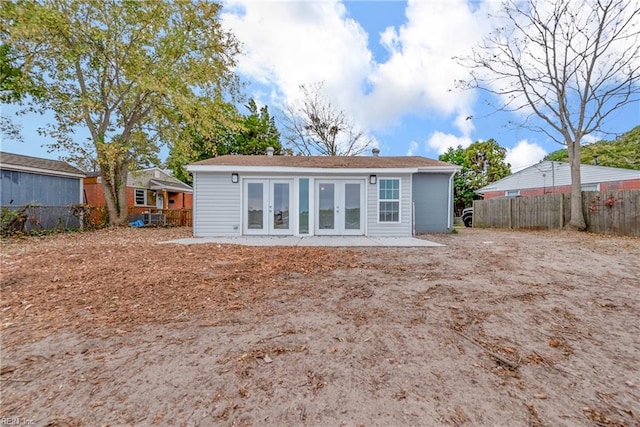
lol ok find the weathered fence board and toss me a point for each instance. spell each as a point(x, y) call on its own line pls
point(41, 218)
point(607, 212)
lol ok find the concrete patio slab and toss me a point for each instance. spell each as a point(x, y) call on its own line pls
point(335, 241)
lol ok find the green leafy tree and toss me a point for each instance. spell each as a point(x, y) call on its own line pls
point(250, 134)
point(198, 146)
point(566, 65)
point(624, 152)
point(15, 86)
point(482, 163)
point(463, 194)
point(257, 132)
point(486, 163)
point(127, 71)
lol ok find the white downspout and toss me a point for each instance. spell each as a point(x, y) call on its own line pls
point(450, 202)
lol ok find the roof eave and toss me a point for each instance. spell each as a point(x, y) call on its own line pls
point(316, 170)
point(170, 188)
point(40, 171)
point(451, 169)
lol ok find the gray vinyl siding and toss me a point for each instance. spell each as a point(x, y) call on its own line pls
point(550, 174)
point(431, 199)
point(404, 227)
point(216, 205)
point(21, 188)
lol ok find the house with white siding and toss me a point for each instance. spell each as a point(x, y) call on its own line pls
point(555, 177)
point(320, 195)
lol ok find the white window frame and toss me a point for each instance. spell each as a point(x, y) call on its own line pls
point(511, 193)
point(398, 200)
point(590, 187)
point(135, 196)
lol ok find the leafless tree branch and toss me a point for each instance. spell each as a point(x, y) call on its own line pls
point(570, 64)
point(317, 127)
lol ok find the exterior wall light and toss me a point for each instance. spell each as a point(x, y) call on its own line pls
point(234, 178)
point(373, 179)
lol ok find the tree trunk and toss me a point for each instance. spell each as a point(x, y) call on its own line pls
point(111, 201)
point(123, 213)
point(115, 195)
point(576, 222)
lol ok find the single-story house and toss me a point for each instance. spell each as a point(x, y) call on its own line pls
point(555, 177)
point(320, 195)
point(151, 188)
point(45, 182)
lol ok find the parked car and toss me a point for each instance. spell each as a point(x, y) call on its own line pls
point(467, 217)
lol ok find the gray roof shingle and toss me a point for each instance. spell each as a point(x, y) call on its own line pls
point(19, 161)
point(334, 162)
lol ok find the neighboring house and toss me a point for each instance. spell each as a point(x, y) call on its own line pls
point(319, 195)
point(555, 177)
point(146, 189)
point(44, 182)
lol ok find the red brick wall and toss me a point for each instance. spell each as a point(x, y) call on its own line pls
point(95, 196)
point(631, 184)
point(180, 201)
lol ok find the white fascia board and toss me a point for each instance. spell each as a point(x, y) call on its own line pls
point(170, 188)
point(327, 171)
point(300, 171)
point(440, 169)
point(39, 171)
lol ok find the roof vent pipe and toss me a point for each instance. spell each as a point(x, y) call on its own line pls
point(376, 152)
point(595, 160)
point(270, 151)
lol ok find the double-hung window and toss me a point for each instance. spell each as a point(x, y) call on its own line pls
point(140, 197)
point(389, 200)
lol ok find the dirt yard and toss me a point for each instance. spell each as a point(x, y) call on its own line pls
point(497, 328)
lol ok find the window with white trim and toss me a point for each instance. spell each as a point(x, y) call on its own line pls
point(389, 200)
point(140, 197)
point(590, 187)
point(512, 193)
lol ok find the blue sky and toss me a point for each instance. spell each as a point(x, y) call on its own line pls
point(387, 64)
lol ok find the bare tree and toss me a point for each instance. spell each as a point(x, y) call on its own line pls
point(567, 65)
point(316, 127)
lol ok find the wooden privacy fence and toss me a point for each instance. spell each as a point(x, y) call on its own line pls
point(170, 217)
point(607, 212)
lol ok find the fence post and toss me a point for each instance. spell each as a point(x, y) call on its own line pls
point(561, 210)
point(510, 212)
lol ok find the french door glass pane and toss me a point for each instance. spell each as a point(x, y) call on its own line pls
point(281, 206)
point(352, 206)
point(326, 209)
point(255, 206)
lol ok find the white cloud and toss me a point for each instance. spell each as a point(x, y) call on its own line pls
point(590, 139)
point(413, 147)
point(287, 44)
point(290, 43)
point(524, 154)
point(421, 72)
point(442, 141)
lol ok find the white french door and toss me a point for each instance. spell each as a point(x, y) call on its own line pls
point(339, 207)
point(267, 206)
